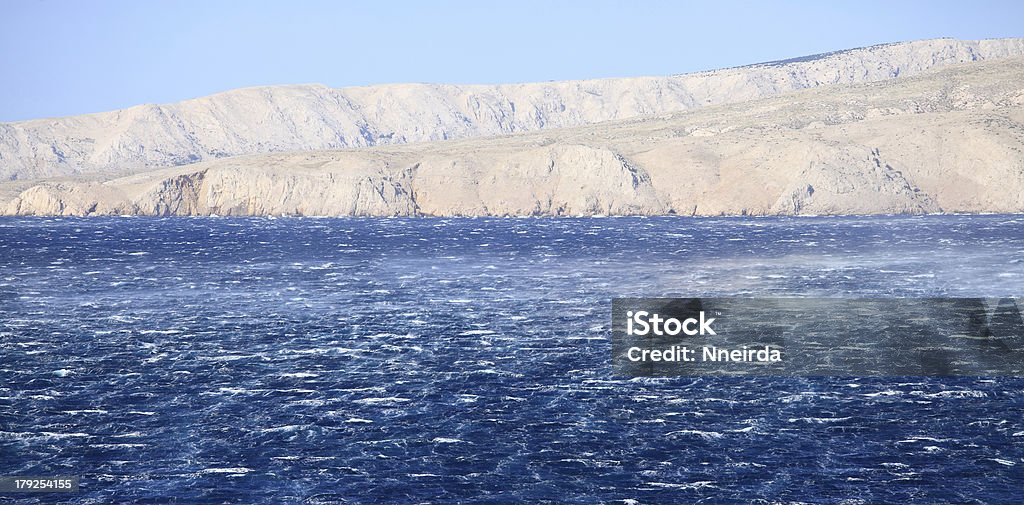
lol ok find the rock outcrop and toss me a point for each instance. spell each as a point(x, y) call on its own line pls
point(292, 118)
point(946, 140)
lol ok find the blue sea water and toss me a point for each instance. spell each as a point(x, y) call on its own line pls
point(213, 360)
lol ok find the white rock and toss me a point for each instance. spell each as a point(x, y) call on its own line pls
point(289, 118)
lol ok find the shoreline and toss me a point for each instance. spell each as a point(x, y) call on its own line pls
point(542, 217)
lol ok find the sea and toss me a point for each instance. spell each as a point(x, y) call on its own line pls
point(467, 360)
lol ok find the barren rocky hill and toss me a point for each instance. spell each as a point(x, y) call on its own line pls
point(946, 140)
point(290, 118)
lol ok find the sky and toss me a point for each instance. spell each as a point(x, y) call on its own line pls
point(65, 57)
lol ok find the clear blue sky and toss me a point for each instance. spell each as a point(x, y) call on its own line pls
point(69, 57)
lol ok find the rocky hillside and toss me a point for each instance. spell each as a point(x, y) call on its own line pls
point(290, 118)
point(949, 139)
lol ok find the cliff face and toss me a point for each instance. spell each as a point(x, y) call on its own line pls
point(946, 140)
point(290, 118)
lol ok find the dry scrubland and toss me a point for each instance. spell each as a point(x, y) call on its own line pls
point(929, 126)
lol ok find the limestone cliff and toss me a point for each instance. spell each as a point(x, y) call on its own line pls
point(292, 118)
point(946, 140)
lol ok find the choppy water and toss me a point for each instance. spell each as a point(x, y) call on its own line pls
point(467, 361)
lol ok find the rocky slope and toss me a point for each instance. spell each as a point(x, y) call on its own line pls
point(947, 140)
point(288, 118)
